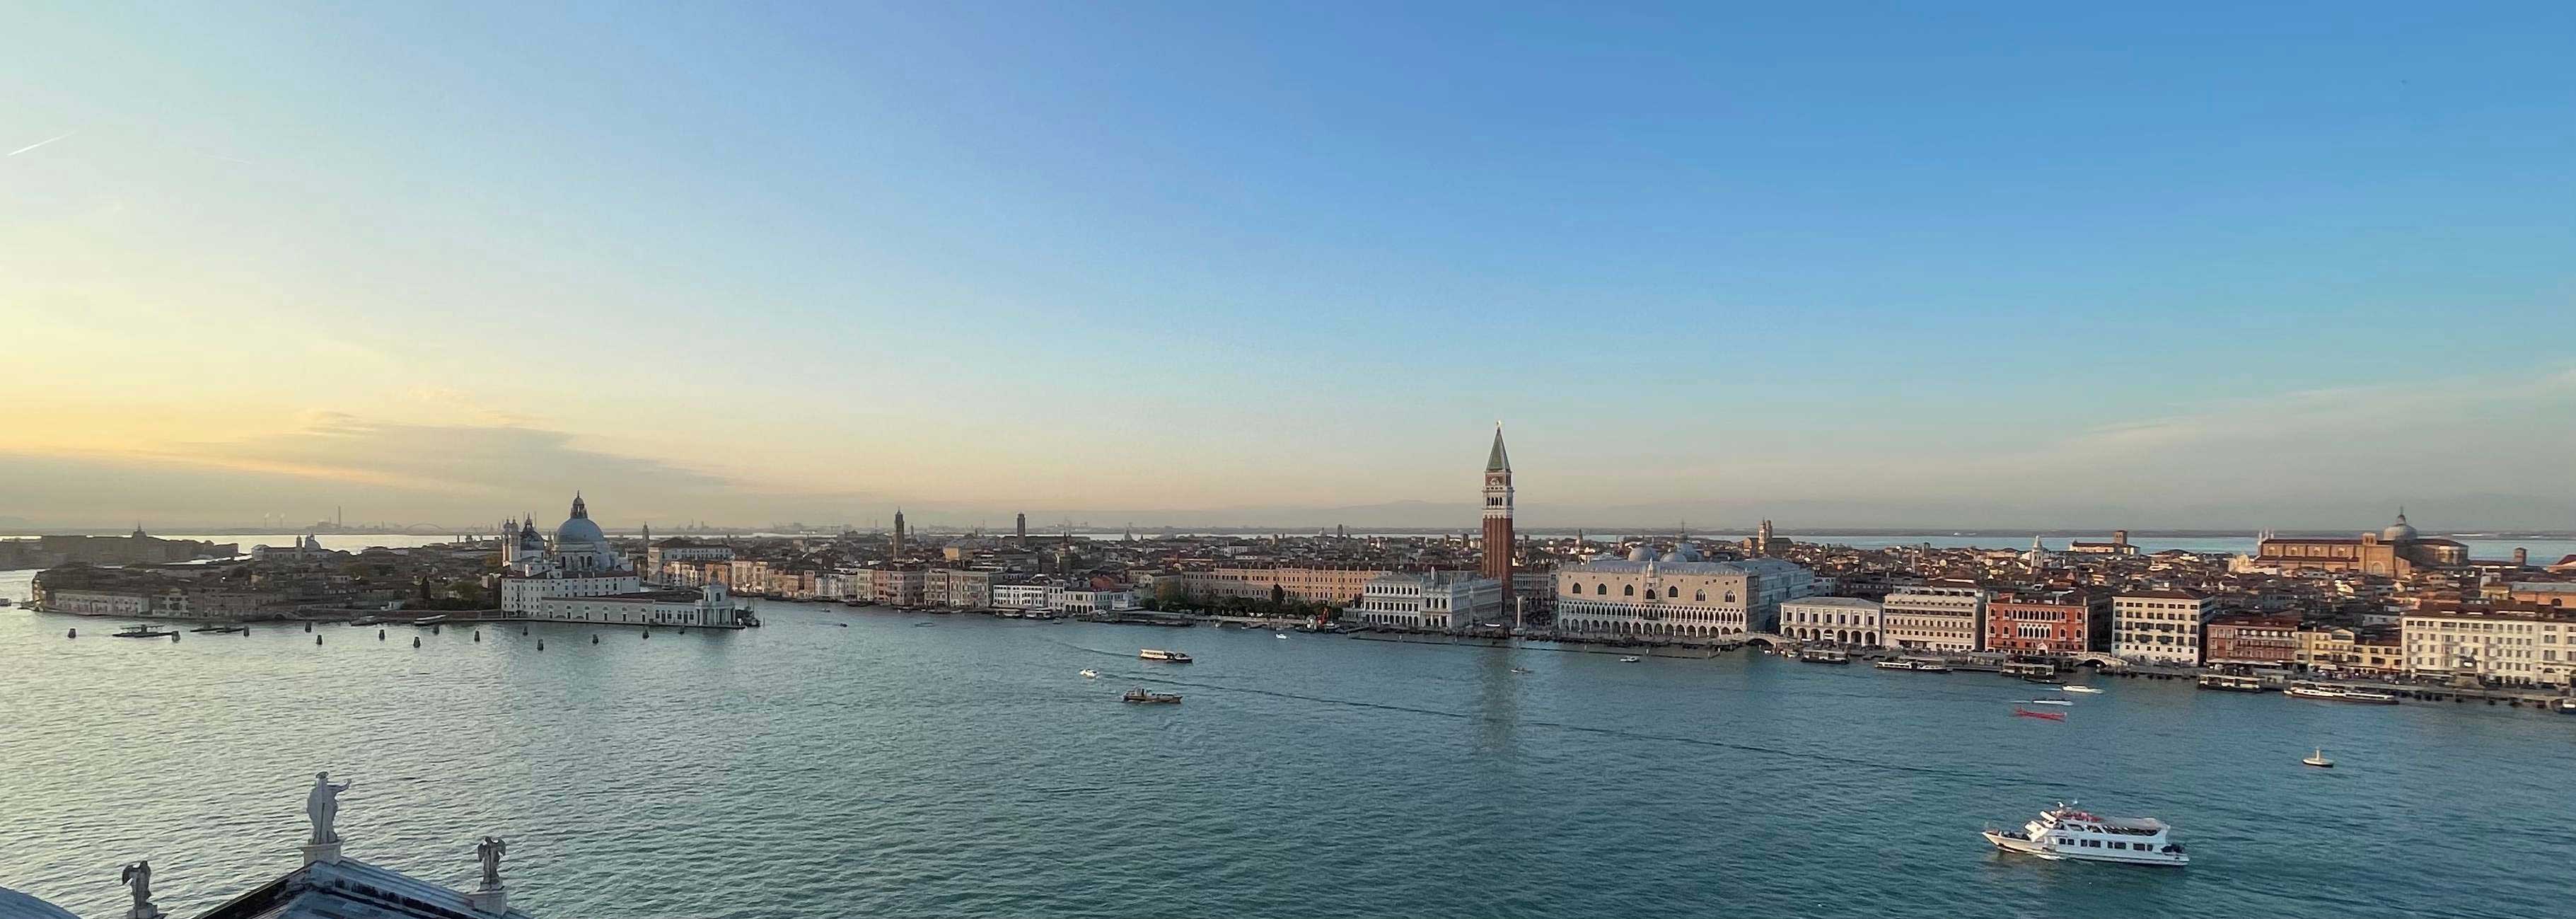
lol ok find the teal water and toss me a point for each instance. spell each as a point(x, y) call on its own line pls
point(885, 768)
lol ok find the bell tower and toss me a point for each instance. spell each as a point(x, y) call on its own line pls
point(1498, 517)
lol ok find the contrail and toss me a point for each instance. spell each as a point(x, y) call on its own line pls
point(41, 143)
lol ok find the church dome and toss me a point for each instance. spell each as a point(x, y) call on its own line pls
point(2401, 531)
point(578, 530)
point(1642, 554)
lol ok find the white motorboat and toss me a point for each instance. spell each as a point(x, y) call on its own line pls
point(1090, 674)
point(2063, 833)
point(2044, 702)
point(2082, 689)
point(1279, 635)
point(1630, 659)
point(2324, 693)
point(2318, 759)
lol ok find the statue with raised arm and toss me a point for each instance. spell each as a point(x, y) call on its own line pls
point(489, 852)
point(138, 881)
point(322, 805)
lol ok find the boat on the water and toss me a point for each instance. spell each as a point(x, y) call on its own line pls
point(1140, 695)
point(1279, 635)
point(1158, 654)
point(2082, 689)
point(2318, 759)
point(2045, 702)
point(1916, 664)
point(1824, 656)
point(2323, 693)
point(2567, 706)
point(221, 629)
point(2221, 682)
point(2063, 833)
point(139, 630)
point(2020, 712)
point(1630, 659)
point(1090, 674)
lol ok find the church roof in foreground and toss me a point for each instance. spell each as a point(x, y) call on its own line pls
point(352, 889)
point(15, 905)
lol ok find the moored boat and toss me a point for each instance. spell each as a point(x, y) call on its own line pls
point(221, 629)
point(1894, 665)
point(2063, 832)
point(139, 630)
point(1158, 654)
point(1140, 695)
point(2323, 693)
point(2318, 759)
point(1824, 656)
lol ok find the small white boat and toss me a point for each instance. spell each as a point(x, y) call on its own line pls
point(2044, 702)
point(1279, 635)
point(1090, 674)
point(2082, 689)
point(1630, 659)
point(2318, 759)
point(2324, 693)
point(2063, 833)
point(1520, 670)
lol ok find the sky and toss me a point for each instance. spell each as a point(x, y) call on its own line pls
point(1902, 265)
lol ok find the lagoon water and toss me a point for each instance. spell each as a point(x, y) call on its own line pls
point(844, 762)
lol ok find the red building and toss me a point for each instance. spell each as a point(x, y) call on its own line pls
point(2053, 622)
point(1498, 519)
point(2253, 640)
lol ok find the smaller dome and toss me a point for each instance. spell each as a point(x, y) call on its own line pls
point(2401, 531)
point(1642, 554)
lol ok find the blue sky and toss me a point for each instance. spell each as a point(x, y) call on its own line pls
point(1897, 265)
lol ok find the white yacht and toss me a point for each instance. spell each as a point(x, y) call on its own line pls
point(2087, 690)
point(2063, 832)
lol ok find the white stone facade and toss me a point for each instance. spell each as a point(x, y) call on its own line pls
point(706, 607)
point(1950, 619)
point(1676, 598)
point(1439, 600)
point(1834, 620)
point(2158, 627)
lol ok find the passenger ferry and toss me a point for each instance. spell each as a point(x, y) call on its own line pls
point(1824, 656)
point(2063, 832)
point(2221, 682)
point(1916, 664)
point(1158, 654)
point(1139, 695)
point(2305, 690)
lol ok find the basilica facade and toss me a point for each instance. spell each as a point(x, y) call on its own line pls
point(578, 577)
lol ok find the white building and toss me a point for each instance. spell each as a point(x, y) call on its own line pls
point(1839, 620)
point(1086, 600)
point(1676, 596)
point(2159, 626)
point(555, 581)
point(1020, 596)
point(2505, 648)
point(1437, 600)
point(708, 607)
point(1935, 617)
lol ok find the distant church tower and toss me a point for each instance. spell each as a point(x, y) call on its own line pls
point(1020, 530)
point(897, 554)
point(1498, 517)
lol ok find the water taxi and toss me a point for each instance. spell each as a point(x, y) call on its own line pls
point(1140, 695)
point(1090, 674)
point(2027, 670)
point(1824, 656)
point(2221, 682)
point(1630, 659)
point(2062, 832)
point(1283, 636)
point(2082, 689)
point(2323, 693)
point(2318, 759)
point(1158, 654)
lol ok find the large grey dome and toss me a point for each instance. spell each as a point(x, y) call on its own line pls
point(2401, 531)
point(578, 530)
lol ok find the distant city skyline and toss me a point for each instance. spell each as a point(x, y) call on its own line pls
point(1242, 266)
